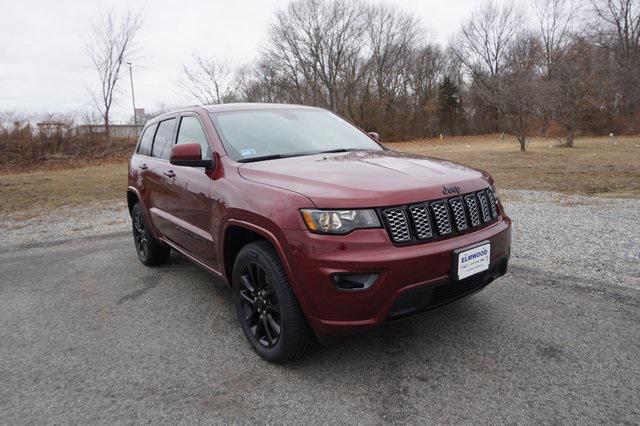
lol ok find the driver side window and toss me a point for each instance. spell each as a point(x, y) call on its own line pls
point(191, 131)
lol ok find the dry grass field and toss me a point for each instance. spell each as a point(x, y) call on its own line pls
point(603, 166)
point(41, 190)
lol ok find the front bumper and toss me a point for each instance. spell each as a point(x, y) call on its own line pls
point(412, 279)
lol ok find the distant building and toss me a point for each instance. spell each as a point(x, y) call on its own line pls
point(50, 128)
point(116, 130)
point(139, 117)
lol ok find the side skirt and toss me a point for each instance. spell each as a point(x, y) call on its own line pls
point(193, 259)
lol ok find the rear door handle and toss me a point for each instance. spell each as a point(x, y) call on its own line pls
point(169, 173)
point(143, 166)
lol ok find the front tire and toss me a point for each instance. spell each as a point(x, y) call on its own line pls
point(150, 251)
point(266, 306)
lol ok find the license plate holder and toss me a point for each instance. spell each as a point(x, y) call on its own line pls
point(470, 260)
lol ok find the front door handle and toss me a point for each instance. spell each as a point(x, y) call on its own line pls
point(170, 173)
point(143, 166)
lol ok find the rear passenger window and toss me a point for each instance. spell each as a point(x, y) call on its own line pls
point(164, 139)
point(146, 140)
point(191, 132)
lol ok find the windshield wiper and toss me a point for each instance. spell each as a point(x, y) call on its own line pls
point(274, 156)
point(331, 151)
point(261, 158)
point(295, 154)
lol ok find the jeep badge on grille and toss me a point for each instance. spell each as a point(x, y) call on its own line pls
point(450, 190)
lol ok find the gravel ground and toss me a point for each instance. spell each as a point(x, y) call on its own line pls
point(27, 228)
point(587, 237)
point(89, 335)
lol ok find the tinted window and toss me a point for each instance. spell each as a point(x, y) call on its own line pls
point(164, 139)
point(147, 138)
point(257, 133)
point(191, 132)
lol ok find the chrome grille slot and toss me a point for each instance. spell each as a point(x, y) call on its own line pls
point(459, 215)
point(397, 224)
point(441, 216)
point(421, 221)
point(492, 203)
point(472, 207)
point(484, 206)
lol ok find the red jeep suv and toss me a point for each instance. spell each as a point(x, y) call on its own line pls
point(319, 229)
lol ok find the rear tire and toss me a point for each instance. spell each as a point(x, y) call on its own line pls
point(266, 306)
point(151, 252)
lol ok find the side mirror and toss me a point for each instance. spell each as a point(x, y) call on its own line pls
point(374, 136)
point(189, 155)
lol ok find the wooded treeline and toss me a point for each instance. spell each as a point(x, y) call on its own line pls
point(553, 67)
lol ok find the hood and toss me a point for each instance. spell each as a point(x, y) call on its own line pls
point(366, 178)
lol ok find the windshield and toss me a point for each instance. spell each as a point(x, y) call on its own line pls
point(266, 134)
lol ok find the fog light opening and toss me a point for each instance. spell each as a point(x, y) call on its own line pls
point(353, 282)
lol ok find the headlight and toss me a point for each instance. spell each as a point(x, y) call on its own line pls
point(339, 221)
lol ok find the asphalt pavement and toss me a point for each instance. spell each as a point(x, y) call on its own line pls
point(89, 335)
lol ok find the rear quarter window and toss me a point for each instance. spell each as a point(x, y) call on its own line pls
point(147, 140)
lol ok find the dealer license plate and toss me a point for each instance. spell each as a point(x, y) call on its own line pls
point(472, 261)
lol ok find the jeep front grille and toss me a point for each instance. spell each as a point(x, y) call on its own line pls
point(440, 218)
point(459, 215)
point(441, 215)
point(472, 207)
point(421, 221)
point(484, 206)
point(492, 203)
point(397, 225)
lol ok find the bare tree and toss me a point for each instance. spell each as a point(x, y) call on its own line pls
point(424, 74)
point(391, 36)
point(261, 83)
point(517, 95)
point(111, 44)
point(209, 81)
point(577, 81)
point(555, 20)
point(485, 37)
point(619, 22)
point(482, 45)
point(622, 18)
point(315, 48)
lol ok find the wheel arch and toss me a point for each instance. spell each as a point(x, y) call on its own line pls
point(256, 232)
point(133, 197)
point(237, 234)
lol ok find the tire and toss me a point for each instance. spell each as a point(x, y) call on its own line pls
point(150, 251)
point(266, 306)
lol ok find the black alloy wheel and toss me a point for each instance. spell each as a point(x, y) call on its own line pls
point(266, 305)
point(150, 251)
point(140, 236)
point(259, 305)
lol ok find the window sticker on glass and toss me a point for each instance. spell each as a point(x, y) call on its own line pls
point(248, 151)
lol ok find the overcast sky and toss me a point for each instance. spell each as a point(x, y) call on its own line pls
point(44, 68)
